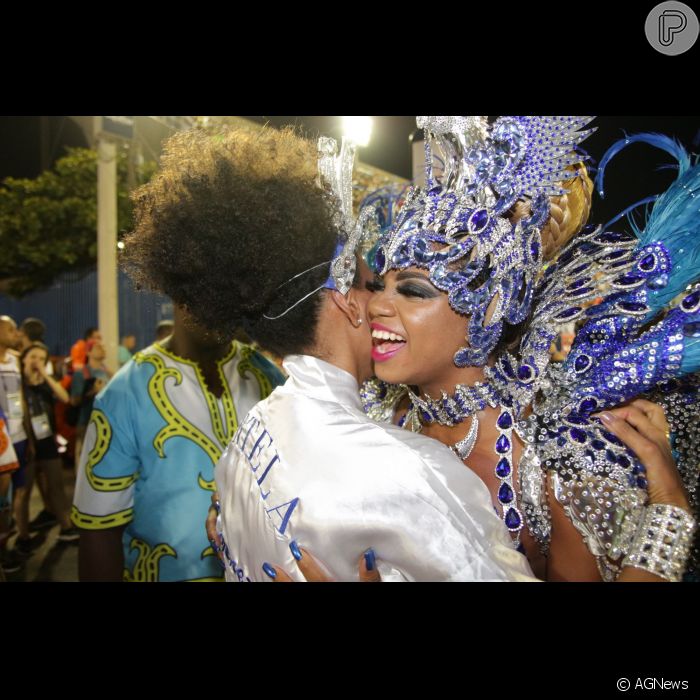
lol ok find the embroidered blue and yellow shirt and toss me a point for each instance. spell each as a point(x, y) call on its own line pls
point(154, 437)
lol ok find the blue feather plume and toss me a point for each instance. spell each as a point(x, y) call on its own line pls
point(674, 219)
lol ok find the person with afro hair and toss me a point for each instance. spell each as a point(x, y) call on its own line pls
point(156, 431)
point(239, 232)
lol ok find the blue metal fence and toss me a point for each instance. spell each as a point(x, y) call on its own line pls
point(69, 306)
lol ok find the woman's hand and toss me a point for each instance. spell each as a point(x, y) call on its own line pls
point(314, 572)
point(210, 525)
point(643, 427)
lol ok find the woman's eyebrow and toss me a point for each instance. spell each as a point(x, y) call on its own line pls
point(407, 274)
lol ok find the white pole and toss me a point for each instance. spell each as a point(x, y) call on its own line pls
point(107, 291)
point(418, 157)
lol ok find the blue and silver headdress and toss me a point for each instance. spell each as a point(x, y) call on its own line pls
point(457, 226)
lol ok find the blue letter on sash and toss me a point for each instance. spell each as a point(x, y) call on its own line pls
point(288, 514)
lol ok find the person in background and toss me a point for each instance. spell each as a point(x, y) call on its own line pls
point(147, 470)
point(12, 404)
point(126, 349)
point(78, 353)
point(33, 330)
point(40, 393)
point(9, 562)
point(86, 384)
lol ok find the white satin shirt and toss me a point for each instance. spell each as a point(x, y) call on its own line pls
point(307, 464)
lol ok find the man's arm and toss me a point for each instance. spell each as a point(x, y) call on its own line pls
point(101, 556)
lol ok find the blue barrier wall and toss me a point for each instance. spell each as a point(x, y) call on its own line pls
point(69, 306)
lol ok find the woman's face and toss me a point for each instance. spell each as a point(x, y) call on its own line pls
point(35, 359)
point(415, 332)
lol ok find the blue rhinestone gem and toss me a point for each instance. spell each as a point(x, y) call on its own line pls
point(379, 259)
point(639, 469)
point(512, 519)
point(598, 444)
point(633, 307)
point(691, 302)
point(578, 435)
point(582, 363)
point(505, 422)
point(612, 237)
point(623, 461)
point(578, 284)
point(505, 494)
point(628, 280)
point(503, 468)
point(588, 405)
point(478, 220)
point(642, 482)
point(569, 313)
point(424, 256)
point(648, 263)
point(507, 368)
point(525, 373)
point(502, 445)
point(566, 257)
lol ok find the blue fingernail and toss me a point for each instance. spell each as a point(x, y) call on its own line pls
point(369, 559)
point(294, 547)
point(269, 570)
point(217, 505)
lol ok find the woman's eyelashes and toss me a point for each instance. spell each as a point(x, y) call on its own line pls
point(421, 291)
point(417, 290)
point(375, 286)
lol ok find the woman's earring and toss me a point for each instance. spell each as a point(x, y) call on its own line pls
point(359, 321)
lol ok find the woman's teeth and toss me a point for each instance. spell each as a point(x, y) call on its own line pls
point(385, 335)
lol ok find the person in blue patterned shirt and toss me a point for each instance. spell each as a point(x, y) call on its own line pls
point(147, 466)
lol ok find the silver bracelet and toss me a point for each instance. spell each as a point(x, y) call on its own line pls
point(663, 541)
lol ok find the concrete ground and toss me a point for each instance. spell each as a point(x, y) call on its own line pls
point(52, 560)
